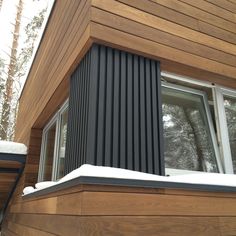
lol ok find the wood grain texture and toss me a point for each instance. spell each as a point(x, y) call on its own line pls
point(144, 32)
point(46, 206)
point(9, 164)
point(192, 72)
point(155, 35)
point(66, 204)
point(7, 232)
point(146, 18)
point(196, 13)
point(26, 231)
point(7, 181)
point(188, 16)
point(125, 203)
point(228, 225)
point(113, 210)
point(142, 204)
point(116, 225)
point(106, 35)
point(5, 177)
point(225, 4)
point(212, 9)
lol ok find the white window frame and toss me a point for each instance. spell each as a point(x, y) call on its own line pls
point(221, 143)
point(170, 171)
point(55, 120)
point(219, 93)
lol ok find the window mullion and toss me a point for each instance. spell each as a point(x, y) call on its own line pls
point(223, 131)
point(42, 157)
point(56, 147)
point(213, 135)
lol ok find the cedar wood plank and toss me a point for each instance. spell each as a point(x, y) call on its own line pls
point(116, 203)
point(164, 25)
point(212, 9)
point(111, 36)
point(135, 28)
point(116, 225)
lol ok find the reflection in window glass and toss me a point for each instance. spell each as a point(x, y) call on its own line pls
point(230, 110)
point(62, 146)
point(49, 153)
point(187, 138)
point(52, 157)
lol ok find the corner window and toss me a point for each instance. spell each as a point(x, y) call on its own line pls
point(53, 147)
point(188, 134)
point(199, 123)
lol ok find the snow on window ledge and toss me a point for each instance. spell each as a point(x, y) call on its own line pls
point(87, 170)
point(12, 148)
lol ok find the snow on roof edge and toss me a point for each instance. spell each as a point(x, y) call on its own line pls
point(12, 147)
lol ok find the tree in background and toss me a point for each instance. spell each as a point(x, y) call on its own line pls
point(31, 30)
point(1, 4)
point(8, 90)
point(2, 70)
point(10, 87)
point(230, 110)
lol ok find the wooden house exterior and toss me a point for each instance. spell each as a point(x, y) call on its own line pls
point(108, 58)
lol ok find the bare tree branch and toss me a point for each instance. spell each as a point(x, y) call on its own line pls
point(8, 95)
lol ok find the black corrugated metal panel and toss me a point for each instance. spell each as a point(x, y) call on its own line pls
point(78, 116)
point(115, 112)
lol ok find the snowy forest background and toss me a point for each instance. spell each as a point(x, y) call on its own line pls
point(15, 60)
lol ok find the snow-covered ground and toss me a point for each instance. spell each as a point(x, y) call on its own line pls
point(111, 172)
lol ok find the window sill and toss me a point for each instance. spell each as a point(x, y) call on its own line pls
point(132, 183)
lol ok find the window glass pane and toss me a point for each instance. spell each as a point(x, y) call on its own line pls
point(49, 152)
point(62, 146)
point(187, 138)
point(230, 110)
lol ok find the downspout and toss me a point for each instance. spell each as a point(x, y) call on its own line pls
point(2, 212)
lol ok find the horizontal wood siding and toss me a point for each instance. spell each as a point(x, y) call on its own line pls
point(108, 210)
point(171, 31)
point(33, 157)
point(6, 183)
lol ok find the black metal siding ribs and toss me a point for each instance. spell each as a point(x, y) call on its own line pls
point(115, 112)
